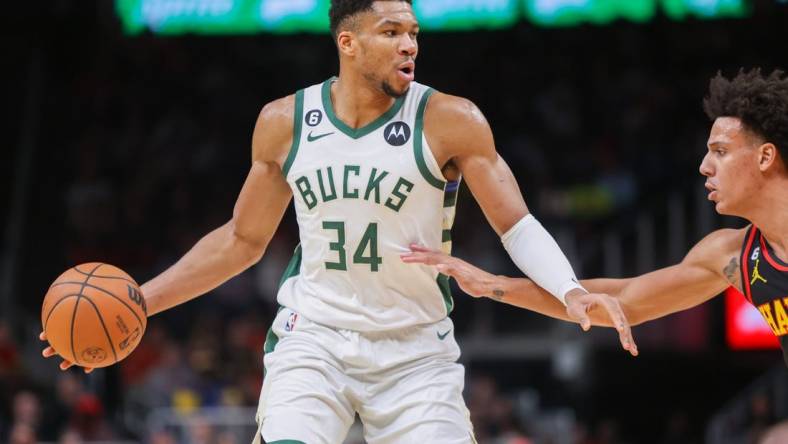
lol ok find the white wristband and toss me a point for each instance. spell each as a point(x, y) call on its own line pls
point(537, 254)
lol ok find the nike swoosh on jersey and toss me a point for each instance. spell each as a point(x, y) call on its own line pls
point(311, 138)
point(443, 336)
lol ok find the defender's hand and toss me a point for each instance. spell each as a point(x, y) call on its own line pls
point(49, 352)
point(472, 280)
point(579, 304)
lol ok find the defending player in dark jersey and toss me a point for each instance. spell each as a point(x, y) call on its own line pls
point(746, 167)
point(765, 279)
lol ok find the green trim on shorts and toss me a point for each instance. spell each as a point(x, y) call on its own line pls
point(418, 149)
point(443, 284)
point(297, 118)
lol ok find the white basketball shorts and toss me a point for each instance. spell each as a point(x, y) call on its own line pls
point(405, 385)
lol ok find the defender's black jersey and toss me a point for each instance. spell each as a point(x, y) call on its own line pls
point(765, 283)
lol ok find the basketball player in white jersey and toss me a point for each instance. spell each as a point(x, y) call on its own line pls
point(373, 161)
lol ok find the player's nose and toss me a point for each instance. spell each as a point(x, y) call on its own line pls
point(706, 167)
point(407, 45)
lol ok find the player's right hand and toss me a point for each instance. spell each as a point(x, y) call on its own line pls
point(580, 304)
point(49, 352)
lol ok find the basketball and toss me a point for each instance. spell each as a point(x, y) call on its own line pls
point(94, 315)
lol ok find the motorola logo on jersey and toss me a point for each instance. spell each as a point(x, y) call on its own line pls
point(313, 117)
point(397, 133)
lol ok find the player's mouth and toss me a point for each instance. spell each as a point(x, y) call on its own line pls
point(712, 191)
point(407, 71)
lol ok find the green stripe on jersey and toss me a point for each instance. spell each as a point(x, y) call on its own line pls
point(297, 118)
point(443, 284)
point(450, 198)
point(418, 149)
point(364, 130)
point(293, 267)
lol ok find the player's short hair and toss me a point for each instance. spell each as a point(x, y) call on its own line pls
point(759, 101)
point(342, 12)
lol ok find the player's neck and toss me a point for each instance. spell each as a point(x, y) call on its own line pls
point(355, 102)
point(770, 215)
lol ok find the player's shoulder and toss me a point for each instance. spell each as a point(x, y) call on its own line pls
point(273, 132)
point(718, 245)
point(279, 111)
point(727, 238)
point(453, 109)
point(455, 126)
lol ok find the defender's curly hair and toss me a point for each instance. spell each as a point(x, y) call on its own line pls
point(341, 10)
point(760, 102)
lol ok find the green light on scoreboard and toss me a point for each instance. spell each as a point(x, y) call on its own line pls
point(706, 9)
point(171, 17)
point(455, 15)
point(574, 12)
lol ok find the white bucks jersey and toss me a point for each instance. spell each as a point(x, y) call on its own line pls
point(362, 196)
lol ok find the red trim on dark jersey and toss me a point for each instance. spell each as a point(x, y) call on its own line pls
point(745, 256)
point(771, 261)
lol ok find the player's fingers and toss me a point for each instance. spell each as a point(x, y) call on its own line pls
point(42, 336)
point(88, 370)
point(65, 365)
point(48, 352)
point(412, 258)
point(419, 248)
point(622, 326)
point(577, 312)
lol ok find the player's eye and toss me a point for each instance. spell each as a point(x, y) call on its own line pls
point(389, 33)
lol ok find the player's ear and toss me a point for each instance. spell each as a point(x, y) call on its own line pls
point(346, 42)
point(767, 155)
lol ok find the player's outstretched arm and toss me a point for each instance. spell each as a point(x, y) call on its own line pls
point(460, 138)
point(710, 267)
point(241, 242)
point(233, 247)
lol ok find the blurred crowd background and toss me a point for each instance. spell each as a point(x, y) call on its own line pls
point(127, 150)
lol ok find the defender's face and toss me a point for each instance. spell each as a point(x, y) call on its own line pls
point(731, 167)
point(388, 47)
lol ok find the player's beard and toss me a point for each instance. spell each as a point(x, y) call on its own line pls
point(391, 92)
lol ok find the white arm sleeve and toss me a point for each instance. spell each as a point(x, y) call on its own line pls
point(537, 254)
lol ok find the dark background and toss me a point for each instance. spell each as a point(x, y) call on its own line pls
point(128, 149)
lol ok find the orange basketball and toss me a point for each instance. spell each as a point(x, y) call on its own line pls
point(94, 315)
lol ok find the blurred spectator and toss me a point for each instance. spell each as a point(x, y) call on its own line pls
point(89, 421)
point(22, 433)
point(777, 434)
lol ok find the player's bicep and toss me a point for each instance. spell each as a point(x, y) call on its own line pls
point(261, 203)
point(265, 194)
point(669, 290)
point(678, 287)
point(463, 136)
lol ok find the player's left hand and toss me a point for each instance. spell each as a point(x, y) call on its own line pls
point(49, 352)
point(472, 280)
point(580, 304)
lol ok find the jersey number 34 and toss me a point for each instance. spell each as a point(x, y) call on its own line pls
point(369, 241)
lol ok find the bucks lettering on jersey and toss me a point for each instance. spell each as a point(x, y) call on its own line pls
point(362, 195)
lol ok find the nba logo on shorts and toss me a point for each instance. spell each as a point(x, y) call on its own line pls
point(290, 324)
